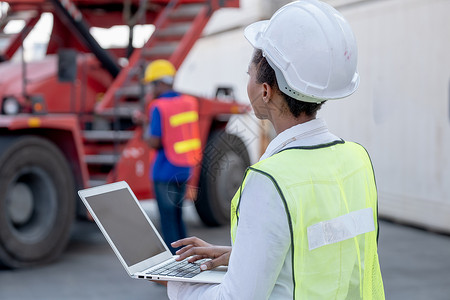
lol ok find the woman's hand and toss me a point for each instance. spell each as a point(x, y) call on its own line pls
point(199, 249)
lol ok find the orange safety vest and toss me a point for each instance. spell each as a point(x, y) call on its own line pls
point(180, 130)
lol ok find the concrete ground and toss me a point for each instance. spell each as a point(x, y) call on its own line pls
point(415, 266)
point(415, 263)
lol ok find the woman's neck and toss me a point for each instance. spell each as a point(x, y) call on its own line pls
point(281, 123)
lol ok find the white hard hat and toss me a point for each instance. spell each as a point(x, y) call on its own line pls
point(311, 48)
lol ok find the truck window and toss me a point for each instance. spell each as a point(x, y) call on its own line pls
point(35, 44)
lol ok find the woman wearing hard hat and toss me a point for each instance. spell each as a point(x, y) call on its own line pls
point(304, 221)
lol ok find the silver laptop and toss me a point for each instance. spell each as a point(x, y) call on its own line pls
point(134, 238)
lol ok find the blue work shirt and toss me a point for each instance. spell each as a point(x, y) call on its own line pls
point(163, 170)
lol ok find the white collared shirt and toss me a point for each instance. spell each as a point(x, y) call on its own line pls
point(260, 263)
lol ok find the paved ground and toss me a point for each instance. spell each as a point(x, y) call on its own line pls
point(415, 266)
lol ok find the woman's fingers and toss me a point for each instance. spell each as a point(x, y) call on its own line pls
point(196, 257)
point(188, 244)
point(195, 241)
point(222, 260)
point(184, 249)
point(193, 251)
point(212, 252)
point(197, 249)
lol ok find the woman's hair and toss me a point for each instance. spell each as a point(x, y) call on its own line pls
point(266, 74)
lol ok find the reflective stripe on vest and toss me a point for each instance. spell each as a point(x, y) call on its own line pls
point(180, 130)
point(341, 228)
point(322, 187)
point(186, 146)
point(183, 118)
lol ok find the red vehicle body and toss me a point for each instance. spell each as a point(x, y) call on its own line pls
point(66, 121)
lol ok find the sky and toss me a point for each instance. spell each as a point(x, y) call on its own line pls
point(116, 36)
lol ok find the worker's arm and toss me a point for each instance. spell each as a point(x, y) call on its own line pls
point(154, 142)
point(259, 252)
point(154, 130)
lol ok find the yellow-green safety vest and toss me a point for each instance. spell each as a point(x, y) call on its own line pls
point(330, 198)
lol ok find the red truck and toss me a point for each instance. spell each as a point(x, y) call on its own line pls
point(66, 120)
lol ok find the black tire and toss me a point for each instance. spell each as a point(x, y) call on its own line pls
point(225, 160)
point(37, 201)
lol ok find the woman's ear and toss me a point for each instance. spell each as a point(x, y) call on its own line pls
point(267, 92)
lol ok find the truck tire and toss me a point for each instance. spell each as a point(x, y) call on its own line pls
point(37, 201)
point(225, 160)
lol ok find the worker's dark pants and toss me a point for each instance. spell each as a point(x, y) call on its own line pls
point(169, 196)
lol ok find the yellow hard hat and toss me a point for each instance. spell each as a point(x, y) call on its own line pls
point(160, 69)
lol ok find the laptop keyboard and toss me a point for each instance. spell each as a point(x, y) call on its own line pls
point(179, 269)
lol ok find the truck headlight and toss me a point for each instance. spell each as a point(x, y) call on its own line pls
point(10, 106)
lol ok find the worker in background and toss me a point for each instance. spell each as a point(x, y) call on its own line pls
point(304, 221)
point(174, 134)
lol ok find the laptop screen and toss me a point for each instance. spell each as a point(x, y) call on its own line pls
point(126, 225)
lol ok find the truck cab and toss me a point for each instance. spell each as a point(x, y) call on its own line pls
point(66, 120)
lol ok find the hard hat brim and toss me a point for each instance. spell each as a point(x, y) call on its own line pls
point(253, 32)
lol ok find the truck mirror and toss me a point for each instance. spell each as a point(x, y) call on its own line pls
point(67, 65)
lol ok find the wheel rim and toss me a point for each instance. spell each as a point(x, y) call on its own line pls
point(20, 204)
point(229, 178)
point(31, 204)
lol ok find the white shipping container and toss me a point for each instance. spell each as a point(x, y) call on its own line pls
point(400, 112)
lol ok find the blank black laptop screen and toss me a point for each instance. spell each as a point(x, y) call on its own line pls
point(126, 225)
